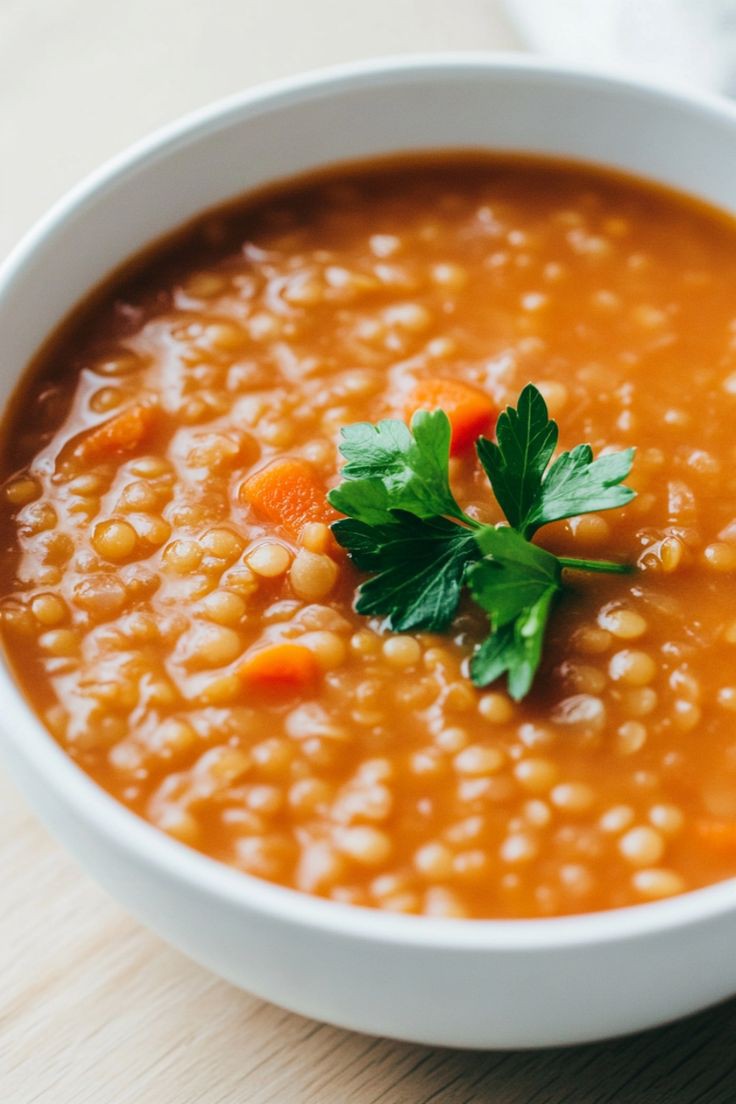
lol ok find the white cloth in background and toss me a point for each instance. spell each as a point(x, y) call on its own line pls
point(678, 41)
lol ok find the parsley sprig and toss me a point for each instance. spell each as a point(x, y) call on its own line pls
point(405, 528)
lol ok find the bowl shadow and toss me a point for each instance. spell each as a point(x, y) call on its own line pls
point(692, 1061)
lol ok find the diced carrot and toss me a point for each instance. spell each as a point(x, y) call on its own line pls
point(288, 492)
point(470, 410)
point(718, 834)
point(282, 668)
point(119, 435)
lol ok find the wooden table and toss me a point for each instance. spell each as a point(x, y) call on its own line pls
point(94, 1009)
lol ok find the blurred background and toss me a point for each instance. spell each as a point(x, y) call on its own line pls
point(81, 79)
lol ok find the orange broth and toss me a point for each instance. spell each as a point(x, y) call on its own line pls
point(146, 558)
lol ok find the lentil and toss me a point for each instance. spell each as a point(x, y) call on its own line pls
point(642, 846)
point(312, 575)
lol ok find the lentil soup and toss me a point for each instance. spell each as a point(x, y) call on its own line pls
point(178, 614)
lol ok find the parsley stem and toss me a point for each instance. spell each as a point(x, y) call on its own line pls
point(463, 519)
point(595, 565)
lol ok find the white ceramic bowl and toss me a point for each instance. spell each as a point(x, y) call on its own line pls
point(455, 982)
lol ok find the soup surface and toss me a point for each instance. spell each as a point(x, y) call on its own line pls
point(145, 562)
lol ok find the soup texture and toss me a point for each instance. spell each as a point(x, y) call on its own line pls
point(178, 614)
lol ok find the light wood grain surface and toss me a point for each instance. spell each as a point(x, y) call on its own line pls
point(94, 1009)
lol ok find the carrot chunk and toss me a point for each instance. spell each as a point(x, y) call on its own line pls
point(470, 410)
point(281, 667)
point(119, 435)
point(718, 834)
point(288, 492)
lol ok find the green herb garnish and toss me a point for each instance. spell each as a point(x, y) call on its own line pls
point(404, 526)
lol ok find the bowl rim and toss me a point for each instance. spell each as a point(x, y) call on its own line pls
point(99, 812)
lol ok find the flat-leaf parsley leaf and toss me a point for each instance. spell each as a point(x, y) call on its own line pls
point(530, 494)
point(513, 574)
point(418, 567)
point(526, 440)
point(410, 464)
